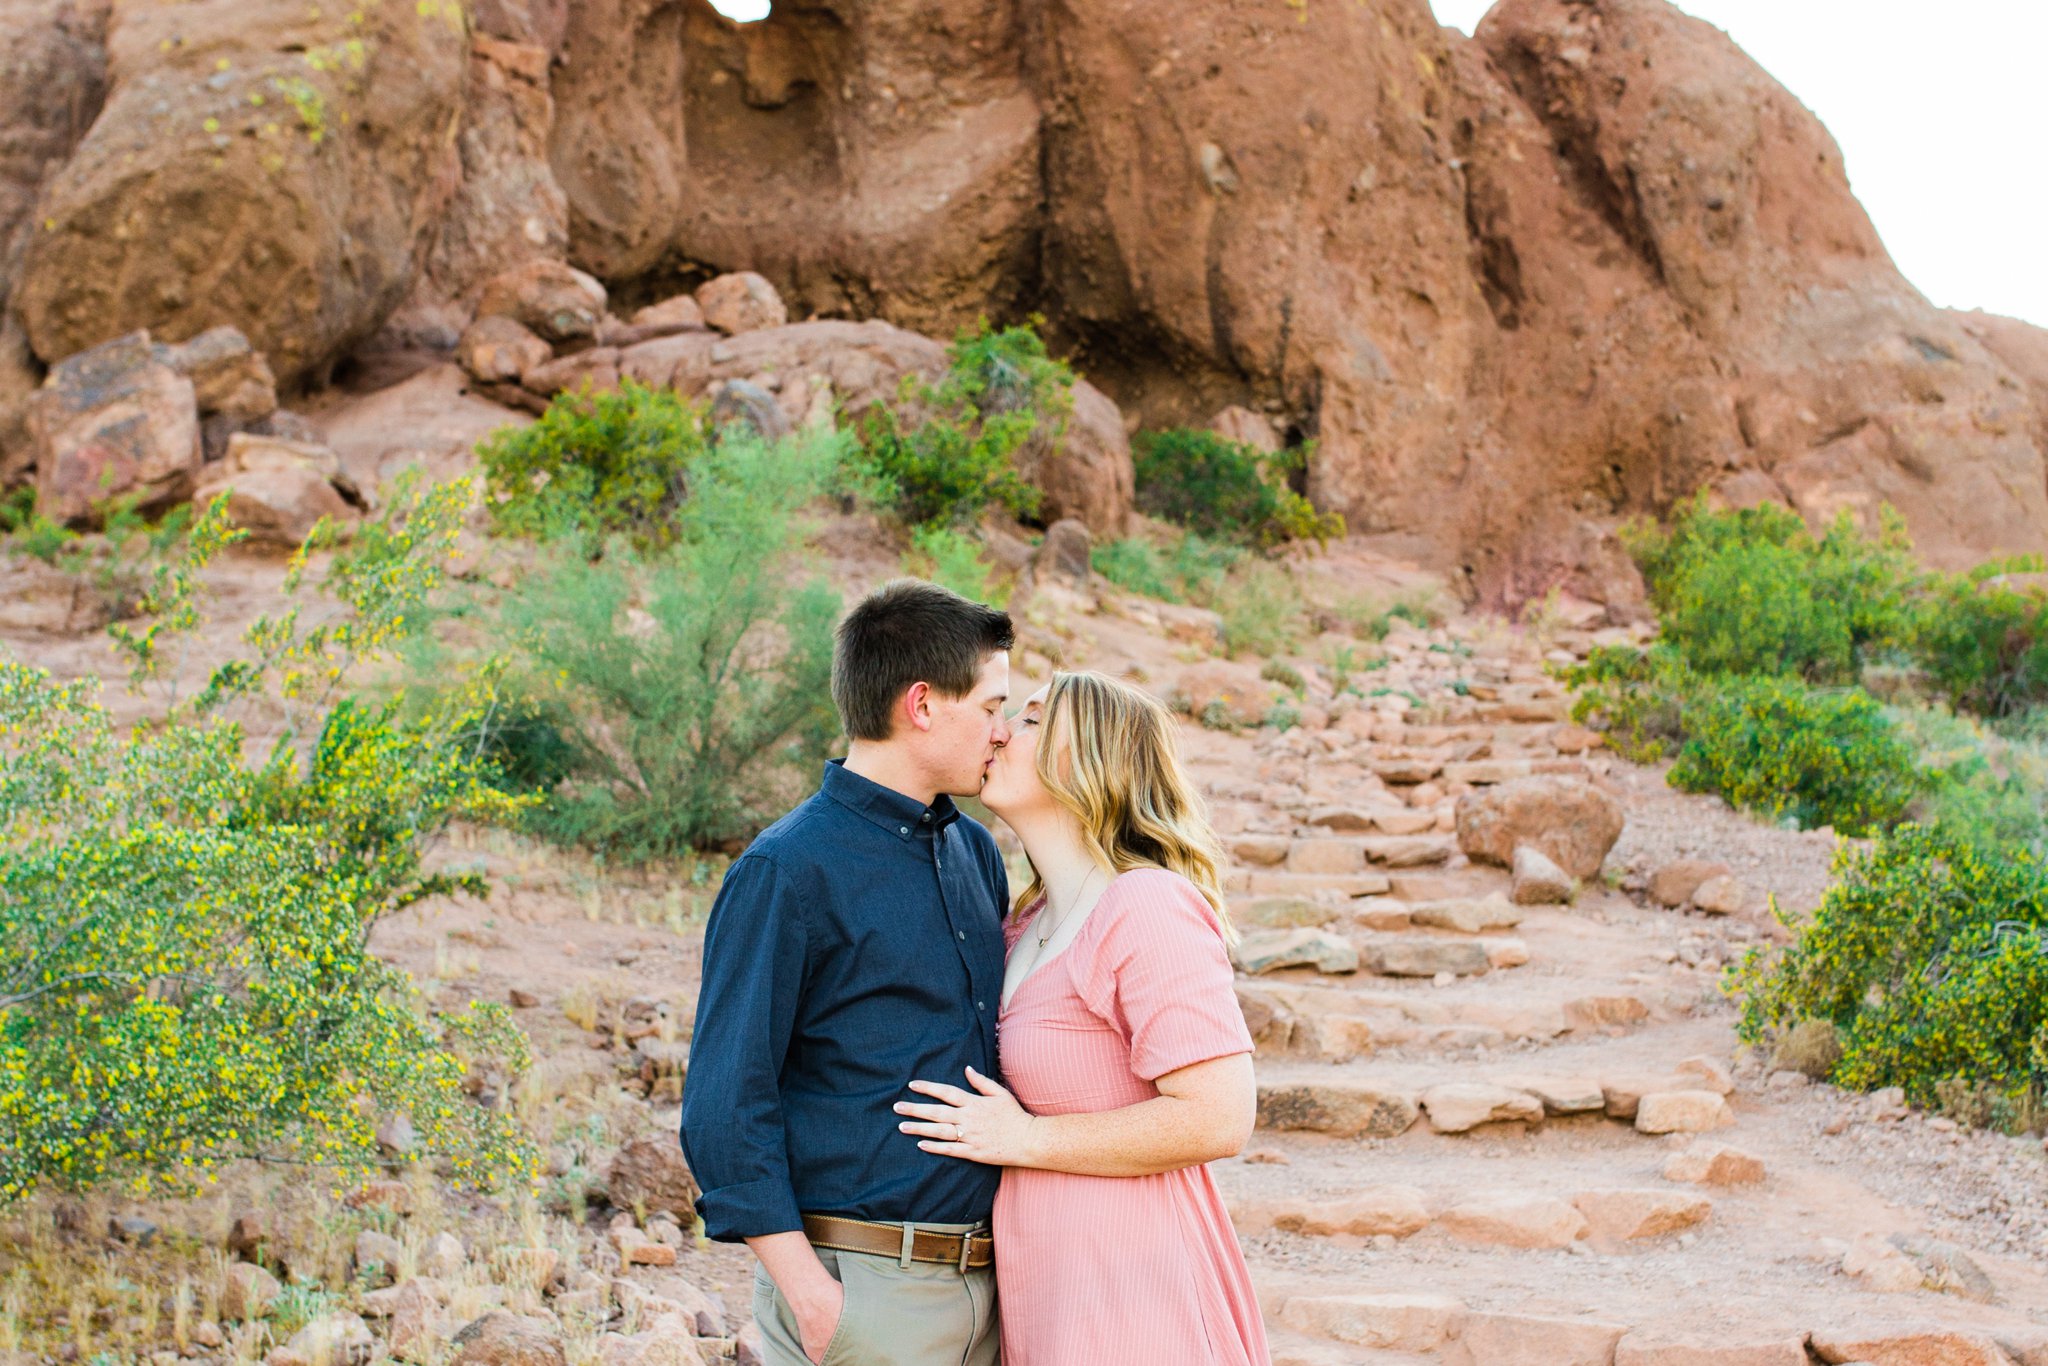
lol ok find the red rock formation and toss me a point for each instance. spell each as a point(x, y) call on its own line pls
point(1516, 287)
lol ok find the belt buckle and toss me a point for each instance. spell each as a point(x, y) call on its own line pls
point(966, 1246)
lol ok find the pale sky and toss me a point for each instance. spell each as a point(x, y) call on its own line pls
point(1940, 112)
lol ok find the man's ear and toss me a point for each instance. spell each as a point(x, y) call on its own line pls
point(917, 706)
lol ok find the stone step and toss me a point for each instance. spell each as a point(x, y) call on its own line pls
point(1382, 1102)
point(1290, 1348)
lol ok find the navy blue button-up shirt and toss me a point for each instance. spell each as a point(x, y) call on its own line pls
point(856, 945)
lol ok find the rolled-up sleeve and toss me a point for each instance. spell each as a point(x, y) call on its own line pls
point(733, 1133)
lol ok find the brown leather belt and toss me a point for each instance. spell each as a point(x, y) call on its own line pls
point(969, 1253)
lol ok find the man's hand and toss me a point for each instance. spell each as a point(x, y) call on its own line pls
point(814, 1296)
point(817, 1317)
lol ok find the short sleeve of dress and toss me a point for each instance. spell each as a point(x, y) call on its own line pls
point(1161, 975)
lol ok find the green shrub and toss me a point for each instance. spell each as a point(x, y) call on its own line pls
point(185, 976)
point(1285, 674)
point(1778, 747)
point(1986, 641)
point(704, 720)
point(1988, 783)
point(1262, 609)
point(953, 559)
point(1752, 591)
point(946, 452)
point(1928, 957)
point(596, 464)
point(1635, 697)
point(1226, 490)
point(1192, 569)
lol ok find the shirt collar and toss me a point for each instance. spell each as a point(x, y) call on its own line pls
point(901, 816)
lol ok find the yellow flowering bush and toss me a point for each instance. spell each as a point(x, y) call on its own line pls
point(1929, 957)
point(185, 977)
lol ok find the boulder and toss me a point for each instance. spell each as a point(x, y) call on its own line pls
point(19, 378)
point(649, 1176)
point(1674, 883)
point(1567, 820)
point(741, 302)
point(499, 1338)
point(1457, 1107)
point(416, 1330)
point(377, 1257)
point(1622, 1216)
point(553, 300)
point(1270, 950)
point(1394, 1322)
point(53, 80)
point(1086, 474)
point(275, 168)
point(1346, 1109)
point(279, 491)
point(1538, 881)
point(1524, 1221)
point(501, 350)
point(115, 421)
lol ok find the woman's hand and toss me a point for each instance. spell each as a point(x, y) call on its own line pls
point(983, 1125)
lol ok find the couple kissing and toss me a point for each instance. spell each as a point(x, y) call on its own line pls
point(957, 1127)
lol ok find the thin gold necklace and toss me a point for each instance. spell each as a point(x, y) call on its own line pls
point(1064, 914)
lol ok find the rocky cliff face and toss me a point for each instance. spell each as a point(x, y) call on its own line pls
point(1515, 287)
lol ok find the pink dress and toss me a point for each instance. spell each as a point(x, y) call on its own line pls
point(1141, 1270)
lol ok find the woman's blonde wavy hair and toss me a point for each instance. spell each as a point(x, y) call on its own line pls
point(1110, 754)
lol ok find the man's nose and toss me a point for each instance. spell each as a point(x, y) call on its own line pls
point(1000, 736)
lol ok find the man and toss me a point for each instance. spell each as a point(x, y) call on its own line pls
point(858, 944)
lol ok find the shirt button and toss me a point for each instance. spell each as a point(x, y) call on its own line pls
point(902, 829)
point(961, 933)
point(979, 1006)
point(926, 816)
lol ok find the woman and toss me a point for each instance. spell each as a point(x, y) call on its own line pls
point(1121, 1033)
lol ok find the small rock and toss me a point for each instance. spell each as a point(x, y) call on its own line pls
point(1524, 1221)
point(1946, 1268)
point(1065, 555)
point(1283, 913)
point(1341, 1108)
point(680, 313)
point(1461, 1106)
point(1416, 956)
point(1567, 819)
point(131, 1228)
point(650, 1176)
point(1618, 1216)
point(113, 421)
point(247, 1235)
point(522, 999)
point(1674, 883)
point(1391, 1322)
point(1264, 851)
point(1393, 1210)
point(555, 300)
point(1682, 1112)
point(1260, 951)
point(1523, 1340)
point(1907, 1346)
point(1538, 881)
point(1712, 1165)
point(247, 1291)
point(378, 1253)
point(395, 1196)
point(278, 490)
point(340, 1339)
point(229, 377)
point(395, 1136)
point(741, 302)
point(444, 1257)
point(504, 1339)
point(746, 405)
point(1468, 916)
point(1565, 1095)
point(532, 1267)
point(1721, 895)
point(499, 350)
point(206, 1333)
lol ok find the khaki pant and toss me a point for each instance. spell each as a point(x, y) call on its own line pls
point(923, 1314)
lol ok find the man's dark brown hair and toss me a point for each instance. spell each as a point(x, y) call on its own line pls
point(909, 631)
